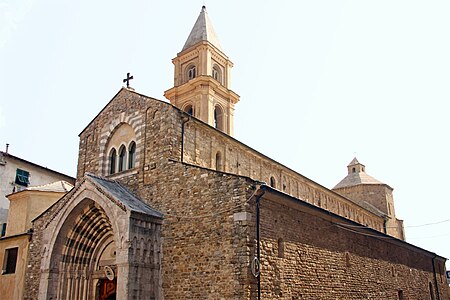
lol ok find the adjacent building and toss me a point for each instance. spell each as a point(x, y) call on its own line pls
point(25, 205)
point(17, 173)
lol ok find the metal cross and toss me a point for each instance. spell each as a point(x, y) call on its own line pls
point(127, 80)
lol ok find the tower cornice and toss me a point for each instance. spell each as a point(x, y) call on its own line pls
point(197, 83)
point(194, 50)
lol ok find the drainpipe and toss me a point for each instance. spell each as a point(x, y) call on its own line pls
point(145, 143)
point(30, 234)
point(259, 193)
point(438, 297)
point(185, 120)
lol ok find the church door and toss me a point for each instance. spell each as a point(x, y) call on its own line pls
point(107, 289)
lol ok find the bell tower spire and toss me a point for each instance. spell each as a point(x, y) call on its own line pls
point(202, 78)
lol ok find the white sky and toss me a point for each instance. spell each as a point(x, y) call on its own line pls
point(319, 81)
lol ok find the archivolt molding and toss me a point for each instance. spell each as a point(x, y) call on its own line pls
point(136, 123)
point(85, 193)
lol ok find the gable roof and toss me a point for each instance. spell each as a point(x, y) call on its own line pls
point(57, 186)
point(203, 30)
point(121, 90)
point(122, 195)
point(10, 156)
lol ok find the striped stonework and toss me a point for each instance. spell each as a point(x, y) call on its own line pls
point(136, 123)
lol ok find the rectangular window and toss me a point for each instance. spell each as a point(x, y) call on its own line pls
point(3, 229)
point(22, 177)
point(10, 260)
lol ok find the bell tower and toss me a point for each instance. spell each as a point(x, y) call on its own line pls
point(202, 78)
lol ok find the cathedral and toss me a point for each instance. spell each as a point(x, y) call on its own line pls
point(168, 205)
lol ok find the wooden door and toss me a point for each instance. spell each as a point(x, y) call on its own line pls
point(108, 289)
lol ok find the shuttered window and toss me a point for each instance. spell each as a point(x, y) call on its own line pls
point(22, 177)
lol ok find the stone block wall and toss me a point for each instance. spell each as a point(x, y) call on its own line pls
point(305, 256)
point(202, 143)
point(208, 232)
point(380, 196)
point(155, 126)
point(205, 246)
point(162, 132)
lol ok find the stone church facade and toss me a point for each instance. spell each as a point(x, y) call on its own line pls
point(168, 205)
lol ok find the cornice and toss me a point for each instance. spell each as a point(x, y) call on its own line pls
point(202, 82)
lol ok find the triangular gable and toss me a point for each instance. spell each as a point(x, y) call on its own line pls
point(122, 196)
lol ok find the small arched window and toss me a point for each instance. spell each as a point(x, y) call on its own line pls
point(112, 161)
point(218, 161)
point(218, 118)
point(273, 183)
point(280, 248)
point(189, 109)
point(122, 158)
point(354, 170)
point(216, 73)
point(192, 72)
point(347, 259)
point(132, 155)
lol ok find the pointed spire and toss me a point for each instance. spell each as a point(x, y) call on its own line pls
point(202, 31)
point(353, 162)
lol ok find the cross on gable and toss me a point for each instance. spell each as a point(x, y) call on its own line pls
point(127, 80)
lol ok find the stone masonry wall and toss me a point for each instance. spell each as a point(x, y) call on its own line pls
point(380, 196)
point(159, 137)
point(206, 251)
point(208, 231)
point(307, 257)
point(153, 121)
point(202, 143)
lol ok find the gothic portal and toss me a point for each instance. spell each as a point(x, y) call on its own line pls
point(102, 243)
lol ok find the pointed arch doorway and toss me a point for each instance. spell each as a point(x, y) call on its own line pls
point(101, 242)
point(87, 253)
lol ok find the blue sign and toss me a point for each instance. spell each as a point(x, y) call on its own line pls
point(447, 274)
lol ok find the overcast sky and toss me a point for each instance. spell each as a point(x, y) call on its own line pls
point(320, 82)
